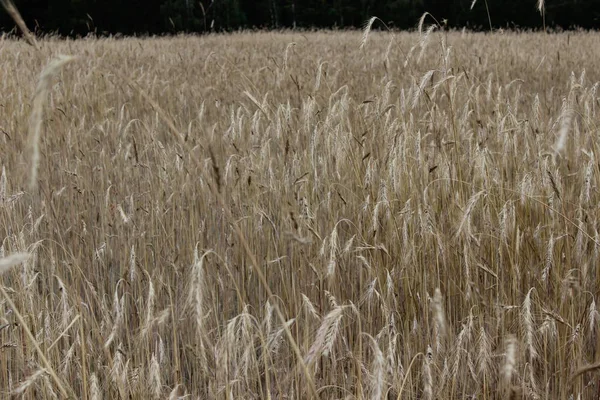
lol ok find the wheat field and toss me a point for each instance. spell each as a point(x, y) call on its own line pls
point(301, 215)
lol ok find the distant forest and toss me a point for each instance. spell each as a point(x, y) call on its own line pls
point(102, 17)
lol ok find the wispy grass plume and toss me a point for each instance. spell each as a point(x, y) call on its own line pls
point(7, 263)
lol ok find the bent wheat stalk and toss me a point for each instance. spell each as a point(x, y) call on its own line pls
point(10, 8)
point(39, 101)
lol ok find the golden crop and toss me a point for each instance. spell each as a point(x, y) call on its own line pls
point(293, 215)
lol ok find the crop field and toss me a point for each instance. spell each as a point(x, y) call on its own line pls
point(301, 215)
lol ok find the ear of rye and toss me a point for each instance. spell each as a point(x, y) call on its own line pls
point(366, 31)
point(540, 5)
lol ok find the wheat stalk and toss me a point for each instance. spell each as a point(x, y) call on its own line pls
point(10, 8)
point(36, 118)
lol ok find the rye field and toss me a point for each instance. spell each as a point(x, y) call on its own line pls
point(316, 215)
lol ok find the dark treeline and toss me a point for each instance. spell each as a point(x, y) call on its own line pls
point(80, 17)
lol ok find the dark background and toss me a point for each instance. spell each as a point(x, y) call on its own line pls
point(81, 17)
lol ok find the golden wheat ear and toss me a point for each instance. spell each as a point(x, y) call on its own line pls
point(11, 9)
